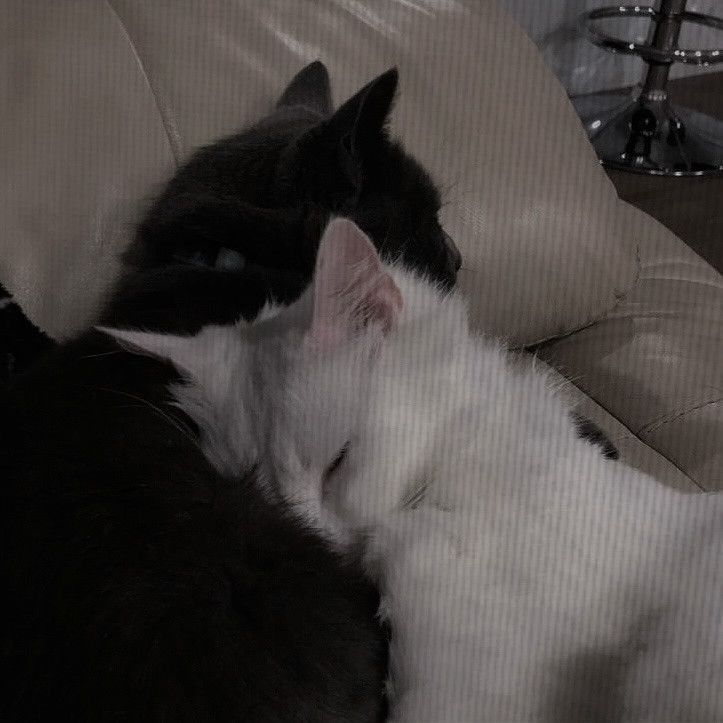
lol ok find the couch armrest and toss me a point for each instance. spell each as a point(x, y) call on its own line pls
point(655, 362)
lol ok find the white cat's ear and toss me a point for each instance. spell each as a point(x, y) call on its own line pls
point(181, 351)
point(352, 290)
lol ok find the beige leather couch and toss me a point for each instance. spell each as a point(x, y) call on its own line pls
point(101, 99)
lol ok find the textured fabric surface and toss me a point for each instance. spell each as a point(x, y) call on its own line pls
point(105, 97)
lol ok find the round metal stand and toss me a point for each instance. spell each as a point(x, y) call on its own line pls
point(642, 131)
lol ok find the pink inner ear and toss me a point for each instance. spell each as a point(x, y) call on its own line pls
point(351, 287)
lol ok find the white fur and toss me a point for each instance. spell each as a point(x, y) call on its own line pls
point(533, 580)
point(530, 552)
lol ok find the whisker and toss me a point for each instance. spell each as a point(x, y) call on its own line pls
point(103, 353)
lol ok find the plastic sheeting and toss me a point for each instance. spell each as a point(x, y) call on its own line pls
point(585, 68)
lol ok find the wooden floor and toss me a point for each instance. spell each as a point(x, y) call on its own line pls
point(691, 207)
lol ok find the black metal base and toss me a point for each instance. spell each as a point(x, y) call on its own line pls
point(652, 137)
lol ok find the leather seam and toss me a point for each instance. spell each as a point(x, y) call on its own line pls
point(620, 298)
point(637, 436)
point(659, 423)
point(169, 128)
point(634, 434)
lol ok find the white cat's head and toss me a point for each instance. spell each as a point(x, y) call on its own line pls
point(291, 390)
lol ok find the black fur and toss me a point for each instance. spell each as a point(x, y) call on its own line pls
point(140, 585)
point(268, 192)
point(588, 430)
point(21, 342)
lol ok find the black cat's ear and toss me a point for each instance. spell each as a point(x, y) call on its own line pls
point(360, 123)
point(310, 89)
point(328, 160)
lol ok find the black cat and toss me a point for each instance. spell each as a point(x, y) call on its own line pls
point(21, 342)
point(261, 198)
point(141, 584)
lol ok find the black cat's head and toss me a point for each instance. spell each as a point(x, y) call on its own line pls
point(347, 163)
point(268, 191)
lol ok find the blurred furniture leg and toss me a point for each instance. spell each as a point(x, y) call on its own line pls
point(642, 131)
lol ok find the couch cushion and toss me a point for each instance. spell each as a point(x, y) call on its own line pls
point(81, 141)
point(633, 452)
point(656, 360)
point(104, 99)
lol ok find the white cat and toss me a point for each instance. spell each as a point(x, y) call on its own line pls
point(525, 577)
